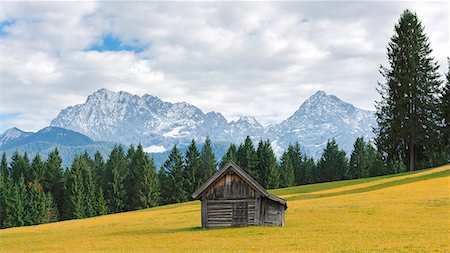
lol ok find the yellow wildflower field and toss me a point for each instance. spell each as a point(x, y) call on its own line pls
point(403, 213)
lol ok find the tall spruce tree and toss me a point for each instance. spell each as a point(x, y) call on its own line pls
point(192, 170)
point(172, 179)
point(20, 166)
point(310, 169)
point(375, 163)
point(208, 162)
point(295, 155)
point(445, 113)
point(75, 197)
point(20, 198)
point(37, 171)
point(116, 168)
point(267, 172)
point(246, 157)
point(4, 171)
point(407, 116)
point(89, 186)
point(102, 206)
point(35, 205)
point(287, 176)
point(98, 170)
point(15, 195)
point(151, 181)
point(141, 182)
point(2, 200)
point(53, 181)
point(359, 164)
point(230, 155)
point(332, 166)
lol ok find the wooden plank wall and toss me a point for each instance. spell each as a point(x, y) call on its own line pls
point(272, 213)
point(220, 212)
point(231, 186)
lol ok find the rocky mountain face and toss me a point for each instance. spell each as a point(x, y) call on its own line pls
point(320, 118)
point(12, 134)
point(125, 118)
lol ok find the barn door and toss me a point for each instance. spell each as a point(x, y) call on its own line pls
point(240, 214)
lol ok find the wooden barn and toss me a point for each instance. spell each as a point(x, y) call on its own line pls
point(232, 198)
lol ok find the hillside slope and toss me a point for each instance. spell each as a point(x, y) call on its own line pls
point(401, 213)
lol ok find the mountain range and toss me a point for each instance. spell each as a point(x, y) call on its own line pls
point(109, 117)
point(127, 118)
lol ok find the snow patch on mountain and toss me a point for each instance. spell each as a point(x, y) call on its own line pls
point(154, 149)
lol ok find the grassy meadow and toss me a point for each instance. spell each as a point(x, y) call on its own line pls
point(407, 212)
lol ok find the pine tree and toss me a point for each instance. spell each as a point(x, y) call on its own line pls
point(208, 162)
point(192, 164)
point(310, 169)
point(4, 172)
point(375, 162)
point(2, 200)
point(13, 209)
point(230, 155)
point(141, 182)
point(75, 206)
point(89, 187)
point(267, 173)
point(130, 154)
point(102, 207)
point(19, 166)
point(172, 179)
point(98, 170)
point(246, 157)
point(35, 205)
point(115, 192)
point(151, 182)
point(37, 171)
point(333, 164)
point(445, 113)
point(286, 171)
point(407, 115)
point(20, 196)
point(53, 181)
point(358, 166)
point(295, 155)
point(52, 209)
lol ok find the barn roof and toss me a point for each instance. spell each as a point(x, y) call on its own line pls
point(233, 166)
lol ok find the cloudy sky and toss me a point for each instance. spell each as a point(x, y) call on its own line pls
point(258, 59)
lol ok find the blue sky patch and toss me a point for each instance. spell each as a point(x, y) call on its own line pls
point(3, 25)
point(4, 117)
point(111, 43)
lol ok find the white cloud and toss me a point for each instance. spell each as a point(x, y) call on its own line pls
point(259, 59)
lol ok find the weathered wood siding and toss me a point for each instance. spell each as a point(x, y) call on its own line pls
point(231, 212)
point(231, 186)
point(232, 201)
point(272, 213)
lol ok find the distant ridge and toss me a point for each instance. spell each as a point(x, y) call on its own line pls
point(126, 118)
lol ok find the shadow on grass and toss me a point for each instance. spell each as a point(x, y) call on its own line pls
point(170, 230)
point(403, 181)
point(156, 231)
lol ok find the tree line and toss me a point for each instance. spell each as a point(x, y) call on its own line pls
point(43, 191)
